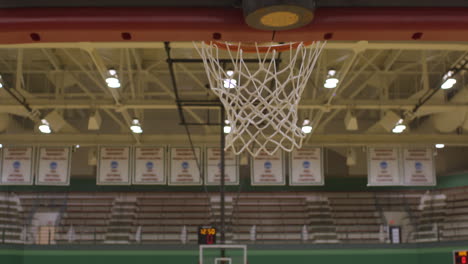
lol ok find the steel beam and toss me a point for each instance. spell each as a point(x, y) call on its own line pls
point(404, 104)
point(316, 139)
point(333, 45)
point(127, 24)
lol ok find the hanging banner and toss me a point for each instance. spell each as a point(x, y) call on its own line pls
point(53, 166)
point(383, 166)
point(305, 167)
point(113, 165)
point(268, 169)
point(418, 164)
point(149, 165)
point(213, 167)
point(17, 166)
point(184, 169)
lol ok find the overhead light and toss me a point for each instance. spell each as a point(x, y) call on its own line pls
point(399, 127)
point(440, 146)
point(136, 126)
point(306, 127)
point(112, 72)
point(1, 81)
point(230, 83)
point(449, 83)
point(113, 80)
point(1, 146)
point(44, 127)
point(230, 73)
point(331, 81)
point(77, 146)
point(227, 127)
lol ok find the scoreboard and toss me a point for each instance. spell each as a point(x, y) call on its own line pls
point(206, 235)
point(460, 257)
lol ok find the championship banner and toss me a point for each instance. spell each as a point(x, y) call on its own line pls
point(53, 166)
point(113, 165)
point(184, 169)
point(418, 164)
point(17, 166)
point(383, 166)
point(268, 169)
point(149, 165)
point(305, 167)
point(213, 167)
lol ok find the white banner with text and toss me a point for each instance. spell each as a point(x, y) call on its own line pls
point(149, 165)
point(53, 166)
point(383, 166)
point(305, 167)
point(268, 169)
point(113, 165)
point(183, 167)
point(17, 166)
point(418, 165)
point(213, 167)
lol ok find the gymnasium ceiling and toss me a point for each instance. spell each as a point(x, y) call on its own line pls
point(375, 77)
point(227, 3)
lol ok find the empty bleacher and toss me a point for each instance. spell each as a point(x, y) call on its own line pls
point(430, 214)
point(88, 215)
point(273, 218)
point(455, 225)
point(11, 219)
point(152, 218)
point(163, 218)
point(356, 217)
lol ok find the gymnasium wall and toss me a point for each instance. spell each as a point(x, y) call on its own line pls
point(331, 184)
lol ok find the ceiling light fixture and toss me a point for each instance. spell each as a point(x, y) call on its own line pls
point(331, 81)
point(113, 80)
point(44, 127)
point(306, 126)
point(230, 83)
point(136, 126)
point(440, 146)
point(227, 127)
point(399, 127)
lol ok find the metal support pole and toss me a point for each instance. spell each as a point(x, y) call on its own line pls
point(222, 183)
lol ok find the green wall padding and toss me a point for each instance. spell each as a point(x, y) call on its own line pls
point(331, 184)
point(363, 255)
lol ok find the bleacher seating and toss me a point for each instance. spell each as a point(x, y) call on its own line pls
point(11, 219)
point(163, 217)
point(275, 218)
point(325, 217)
point(322, 228)
point(356, 217)
point(455, 225)
point(89, 216)
point(429, 215)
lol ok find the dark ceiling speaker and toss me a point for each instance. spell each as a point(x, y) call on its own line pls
point(278, 14)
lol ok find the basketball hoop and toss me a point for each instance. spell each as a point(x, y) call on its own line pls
point(261, 99)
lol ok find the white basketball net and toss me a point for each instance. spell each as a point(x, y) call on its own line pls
point(261, 99)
